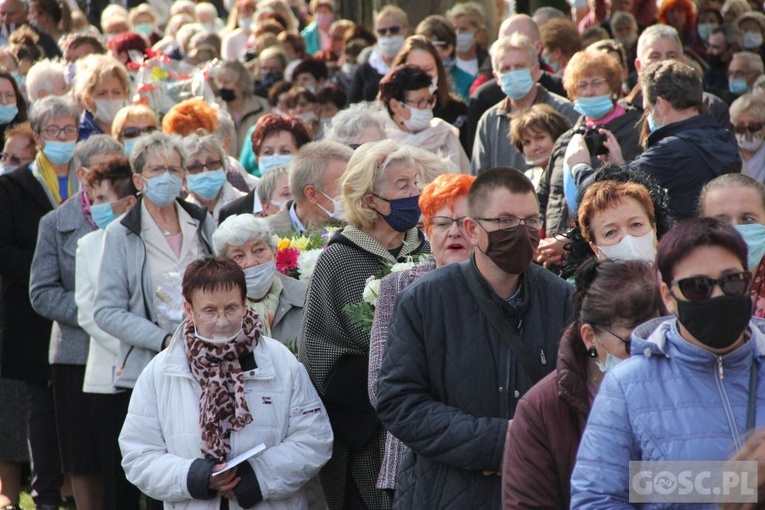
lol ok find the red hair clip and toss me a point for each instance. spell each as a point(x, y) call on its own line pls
point(381, 162)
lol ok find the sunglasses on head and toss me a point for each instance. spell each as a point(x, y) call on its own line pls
point(395, 29)
point(752, 128)
point(133, 132)
point(697, 288)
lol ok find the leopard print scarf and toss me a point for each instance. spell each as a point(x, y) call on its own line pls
point(222, 405)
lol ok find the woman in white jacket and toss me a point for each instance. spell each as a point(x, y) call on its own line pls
point(219, 390)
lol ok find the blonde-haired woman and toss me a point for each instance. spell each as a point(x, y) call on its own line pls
point(380, 188)
point(102, 87)
point(133, 123)
point(469, 21)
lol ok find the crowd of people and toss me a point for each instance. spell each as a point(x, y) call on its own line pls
point(474, 259)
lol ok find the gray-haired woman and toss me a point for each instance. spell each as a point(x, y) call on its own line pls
point(278, 299)
point(358, 124)
point(274, 190)
point(206, 174)
point(138, 298)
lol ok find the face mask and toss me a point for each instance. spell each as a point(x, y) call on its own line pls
point(433, 84)
point(163, 189)
point(512, 250)
point(632, 248)
point(465, 41)
point(752, 40)
point(516, 84)
point(715, 322)
point(404, 213)
point(218, 340)
point(59, 153)
point(611, 362)
point(20, 80)
point(7, 169)
point(391, 44)
point(102, 215)
point(419, 119)
point(537, 162)
point(749, 145)
point(754, 237)
point(738, 86)
point(449, 63)
point(145, 29)
point(308, 117)
point(8, 112)
point(578, 4)
point(594, 107)
point(628, 40)
point(349, 69)
point(311, 89)
point(130, 143)
point(552, 65)
point(259, 279)
point(324, 19)
point(716, 62)
point(106, 109)
point(337, 208)
point(245, 23)
point(279, 203)
point(705, 30)
point(227, 95)
point(206, 184)
point(270, 78)
point(325, 124)
point(268, 163)
point(208, 27)
point(651, 123)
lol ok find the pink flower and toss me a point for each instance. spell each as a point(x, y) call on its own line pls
point(287, 260)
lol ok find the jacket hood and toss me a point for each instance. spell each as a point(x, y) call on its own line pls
point(572, 370)
point(650, 338)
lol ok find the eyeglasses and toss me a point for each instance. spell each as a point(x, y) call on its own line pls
point(155, 170)
point(14, 160)
point(135, 132)
point(195, 168)
point(625, 341)
point(751, 128)
point(395, 29)
point(595, 84)
point(422, 103)
point(739, 74)
point(508, 222)
point(55, 131)
point(444, 223)
point(231, 313)
point(697, 288)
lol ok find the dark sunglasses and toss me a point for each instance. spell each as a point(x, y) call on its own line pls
point(697, 288)
point(752, 128)
point(134, 132)
point(395, 29)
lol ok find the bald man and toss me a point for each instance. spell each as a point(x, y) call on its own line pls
point(489, 94)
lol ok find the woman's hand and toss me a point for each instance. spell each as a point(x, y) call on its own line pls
point(550, 251)
point(614, 149)
point(577, 151)
point(225, 482)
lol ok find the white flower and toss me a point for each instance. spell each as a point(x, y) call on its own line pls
point(307, 263)
point(371, 291)
point(401, 266)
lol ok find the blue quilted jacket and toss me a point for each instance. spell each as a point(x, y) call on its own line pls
point(670, 400)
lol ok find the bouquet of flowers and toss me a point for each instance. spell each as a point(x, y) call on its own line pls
point(362, 314)
point(296, 255)
point(162, 82)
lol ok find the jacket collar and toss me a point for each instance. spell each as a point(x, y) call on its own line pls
point(523, 283)
point(414, 242)
point(23, 177)
point(675, 128)
point(572, 371)
point(132, 220)
point(541, 97)
point(293, 293)
point(69, 216)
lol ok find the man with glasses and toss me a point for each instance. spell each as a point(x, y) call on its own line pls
point(744, 69)
point(464, 344)
point(517, 71)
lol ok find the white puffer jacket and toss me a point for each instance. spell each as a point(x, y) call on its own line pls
point(161, 436)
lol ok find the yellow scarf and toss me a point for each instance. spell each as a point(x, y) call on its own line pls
point(50, 178)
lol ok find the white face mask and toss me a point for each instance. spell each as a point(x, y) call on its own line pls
point(244, 23)
point(633, 248)
point(106, 109)
point(749, 145)
point(309, 117)
point(279, 203)
point(217, 340)
point(419, 119)
point(538, 161)
point(465, 41)
point(259, 279)
point(391, 44)
point(611, 362)
point(337, 205)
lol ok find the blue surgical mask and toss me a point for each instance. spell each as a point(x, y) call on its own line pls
point(206, 184)
point(738, 86)
point(404, 213)
point(594, 107)
point(7, 169)
point(59, 153)
point(163, 189)
point(611, 362)
point(145, 29)
point(516, 84)
point(705, 30)
point(102, 214)
point(651, 123)
point(754, 237)
point(8, 112)
point(553, 65)
point(268, 163)
point(130, 143)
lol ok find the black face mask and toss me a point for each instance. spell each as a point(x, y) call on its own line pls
point(270, 78)
point(512, 250)
point(716, 62)
point(227, 95)
point(716, 322)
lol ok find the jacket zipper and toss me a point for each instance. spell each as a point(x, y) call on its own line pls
point(719, 376)
point(121, 370)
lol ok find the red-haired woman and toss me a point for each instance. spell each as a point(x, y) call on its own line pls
point(443, 204)
point(275, 138)
point(681, 15)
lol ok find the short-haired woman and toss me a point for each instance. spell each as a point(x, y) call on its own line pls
point(274, 190)
point(102, 87)
point(407, 93)
point(380, 199)
point(611, 299)
point(693, 387)
point(133, 123)
point(747, 114)
point(358, 124)
point(220, 389)
point(235, 87)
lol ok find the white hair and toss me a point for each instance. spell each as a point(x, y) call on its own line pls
point(347, 125)
point(753, 60)
point(238, 229)
point(517, 41)
point(655, 32)
point(42, 75)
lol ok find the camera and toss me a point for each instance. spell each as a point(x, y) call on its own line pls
point(595, 142)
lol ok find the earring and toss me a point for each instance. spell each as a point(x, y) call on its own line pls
point(592, 352)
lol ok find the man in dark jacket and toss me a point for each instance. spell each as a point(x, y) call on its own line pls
point(465, 343)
